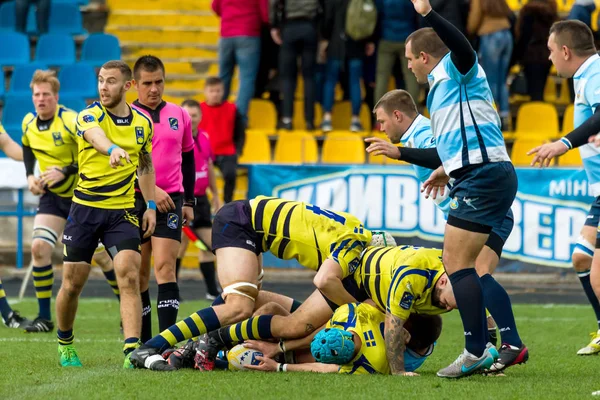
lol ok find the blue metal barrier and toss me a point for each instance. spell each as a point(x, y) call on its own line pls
point(20, 213)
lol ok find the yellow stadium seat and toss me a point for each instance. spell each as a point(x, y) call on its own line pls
point(262, 115)
point(257, 148)
point(568, 120)
point(515, 5)
point(341, 116)
point(520, 148)
point(550, 90)
point(298, 120)
point(296, 147)
point(565, 93)
point(538, 117)
point(571, 158)
point(343, 148)
point(564, 6)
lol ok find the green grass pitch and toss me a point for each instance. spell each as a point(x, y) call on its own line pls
point(30, 370)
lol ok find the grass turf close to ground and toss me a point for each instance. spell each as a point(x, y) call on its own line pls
point(553, 333)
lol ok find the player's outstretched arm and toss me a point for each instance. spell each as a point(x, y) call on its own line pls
point(270, 365)
point(395, 344)
point(329, 281)
point(10, 147)
point(97, 138)
point(147, 182)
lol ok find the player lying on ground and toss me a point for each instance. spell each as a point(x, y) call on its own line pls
point(398, 117)
point(321, 240)
point(351, 343)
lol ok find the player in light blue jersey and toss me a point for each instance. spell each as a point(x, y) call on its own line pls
point(573, 52)
point(471, 148)
point(398, 117)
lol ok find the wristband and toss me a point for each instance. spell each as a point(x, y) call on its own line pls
point(151, 205)
point(284, 368)
point(566, 142)
point(279, 367)
point(189, 203)
point(111, 148)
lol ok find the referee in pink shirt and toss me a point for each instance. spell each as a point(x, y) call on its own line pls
point(173, 150)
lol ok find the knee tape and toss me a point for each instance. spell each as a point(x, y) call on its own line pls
point(45, 234)
point(245, 289)
point(584, 247)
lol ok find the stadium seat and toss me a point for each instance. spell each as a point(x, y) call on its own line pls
point(343, 148)
point(15, 49)
point(262, 115)
point(15, 109)
point(55, 49)
point(520, 148)
point(571, 158)
point(257, 148)
point(568, 120)
point(21, 78)
point(298, 120)
point(75, 103)
point(539, 119)
point(66, 18)
point(341, 116)
point(296, 147)
point(79, 80)
point(99, 48)
point(7, 18)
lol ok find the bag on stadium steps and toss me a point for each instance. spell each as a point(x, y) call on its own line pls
point(361, 19)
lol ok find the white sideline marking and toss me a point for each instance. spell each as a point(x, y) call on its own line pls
point(54, 340)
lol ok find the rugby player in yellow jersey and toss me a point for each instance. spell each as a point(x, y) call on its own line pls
point(115, 144)
point(10, 317)
point(319, 239)
point(49, 137)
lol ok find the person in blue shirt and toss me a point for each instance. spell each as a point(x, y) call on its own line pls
point(573, 52)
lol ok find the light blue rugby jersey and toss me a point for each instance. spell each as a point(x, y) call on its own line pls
point(586, 82)
point(419, 136)
point(465, 125)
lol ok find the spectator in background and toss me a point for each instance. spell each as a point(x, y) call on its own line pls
point(453, 11)
point(531, 49)
point(241, 21)
point(42, 15)
point(226, 132)
point(342, 51)
point(295, 29)
point(396, 19)
point(267, 79)
point(490, 20)
point(582, 10)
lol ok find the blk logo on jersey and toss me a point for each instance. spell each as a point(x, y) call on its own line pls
point(139, 134)
point(407, 300)
point(173, 123)
point(172, 221)
point(58, 140)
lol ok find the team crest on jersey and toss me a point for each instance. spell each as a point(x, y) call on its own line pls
point(58, 140)
point(172, 221)
point(174, 123)
point(88, 118)
point(407, 300)
point(139, 135)
point(454, 203)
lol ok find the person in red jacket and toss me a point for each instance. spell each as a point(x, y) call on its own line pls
point(239, 44)
point(226, 132)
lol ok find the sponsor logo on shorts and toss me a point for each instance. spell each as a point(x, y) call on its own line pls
point(58, 140)
point(88, 118)
point(454, 203)
point(173, 123)
point(172, 221)
point(407, 300)
point(251, 243)
point(139, 134)
point(67, 238)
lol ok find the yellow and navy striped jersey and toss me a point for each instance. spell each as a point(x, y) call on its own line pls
point(309, 234)
point(100, 185)
point(401, 280)
point(55, 146)
point(368, 323)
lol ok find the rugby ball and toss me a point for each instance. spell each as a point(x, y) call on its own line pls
point(240, 356)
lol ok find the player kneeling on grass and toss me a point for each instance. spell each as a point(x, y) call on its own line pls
point(328, 242)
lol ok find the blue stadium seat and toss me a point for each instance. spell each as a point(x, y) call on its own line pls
point(21, 78)
point(99, 48)
point(79, 80)
point(15, 49)
point(55, 49)
point(15, 109)
point(66, 18)
point(75, 103)
point(7, 18)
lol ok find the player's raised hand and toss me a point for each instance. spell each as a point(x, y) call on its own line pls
point(423, 7)
point(149, 222)
point(116, 156)
point(267, 348)
point(266, 364)
point(379, 147)
point(436, 184)
point(546, 152)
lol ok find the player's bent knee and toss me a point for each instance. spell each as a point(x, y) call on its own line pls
point(44, 240)
point(243, 289)
point(582, 255)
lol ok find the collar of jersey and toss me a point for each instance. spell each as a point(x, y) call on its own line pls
point(411, 129)
point(583, 67)
point(153, 113)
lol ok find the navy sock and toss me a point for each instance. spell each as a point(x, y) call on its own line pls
point(5, 309)
point(130, 344)
point(43, 278)
point(112, 281)
point(498, 304)
point(146, 316)
point(584, 278)
point(167, 304)
point(469, 299)
point(65, 338)
point(210, 278)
